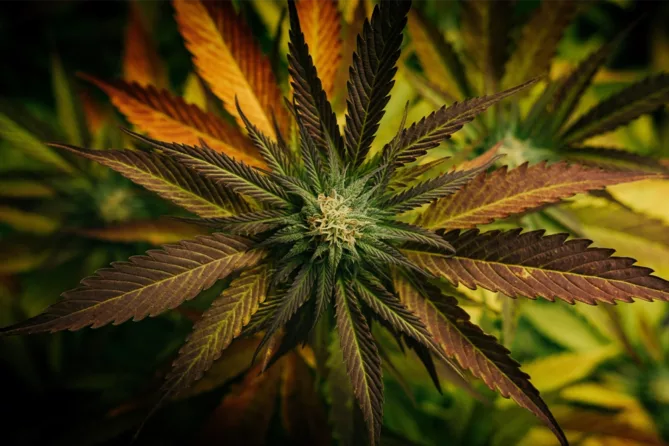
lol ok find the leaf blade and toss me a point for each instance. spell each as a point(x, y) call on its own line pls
point(531, 265)
point(145, 285)
point(449, 325)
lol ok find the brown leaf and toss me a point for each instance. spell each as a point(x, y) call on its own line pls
point(171, 119)
point(531, 265)
point(503, 193)
point(321, 25)
point(475, 350)
point(228, 59)
point(145, 285)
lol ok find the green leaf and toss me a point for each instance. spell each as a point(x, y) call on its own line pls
point(219, 325)
point(168, 179)
point(339, 394)
point(23, 139)
point(363, 363)
point(28, 221)
point(613, 159)
point(68, 107)
point(371, 76)
point(531, 265)
point(144, 286)
point(432, 130)
point(434, 189)
point(475, 350)
point(621, 108)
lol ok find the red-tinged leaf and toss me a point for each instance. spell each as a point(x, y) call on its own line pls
point(485, 35)
point(170, 180)
point(438, 58)
point(219, 325)
point(169, 118)
point(157, 232)
point(228, 59)
point(508, 192)
point(244, 416)
point(145, 285)
point(475, 350)
point(302, 410)
point(363, 363)
point(321, 24)
point(141, 62)
point(484, 159)
point(531, 265)
point(620, 109)
point(538, 41)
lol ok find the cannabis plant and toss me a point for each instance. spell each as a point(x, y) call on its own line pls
point(310, 238)
point(492, 50)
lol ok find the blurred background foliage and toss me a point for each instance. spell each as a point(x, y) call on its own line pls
point(603, 371)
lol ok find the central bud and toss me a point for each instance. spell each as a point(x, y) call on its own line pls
point(336, 222)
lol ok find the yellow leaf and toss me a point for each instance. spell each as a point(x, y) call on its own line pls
point(141, 62)
point(27, 221)
point(321, 25)
point(170, 118)
point(645, 197)
point(557, 371)
point(194, 92)
point(22, 139)
point(229, 61)
point(18, 188)
point(157, 232)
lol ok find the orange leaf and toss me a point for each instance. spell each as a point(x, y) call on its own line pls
point(321, 25)
point(244, 415)
point(229, 60)
point(170, 118)
point(141, 62)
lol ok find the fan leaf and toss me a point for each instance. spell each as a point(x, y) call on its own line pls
point(431, 190)
point(168, 179)
point(170, 118)
point(432, 130)
point(474, 350)
point(321, 23)
point(440, 62)
point(538, 41)
point(485, 35)
point(531, 265)
point(219, 325)
point(156, 232)
point(222, 169)
point(145, 285)
point(371, 76)
point(141, 62)
point(228, 59)
point(621, 108)
point(508, 192)
point(363, 363)
point(613, 159)
point(310, 99)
